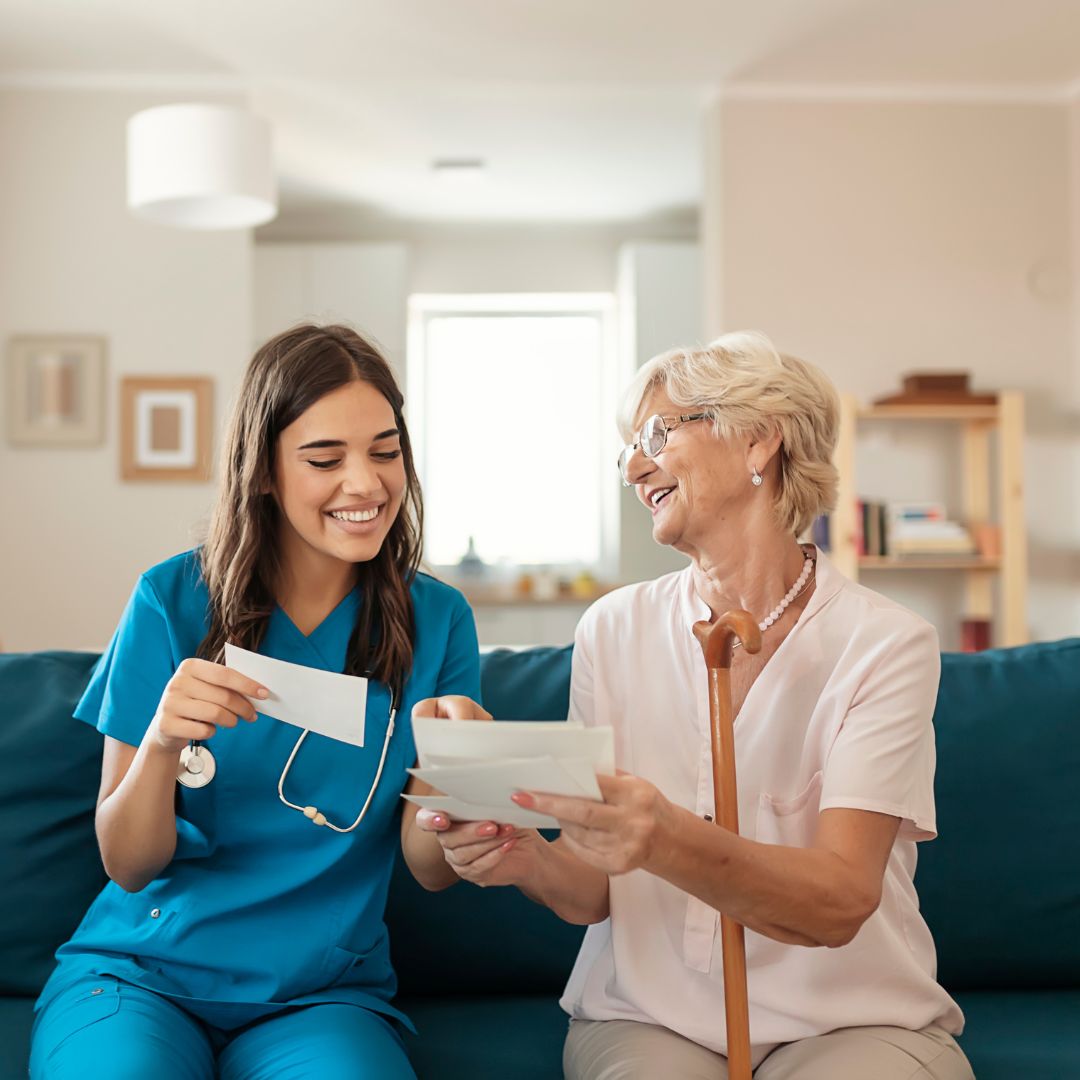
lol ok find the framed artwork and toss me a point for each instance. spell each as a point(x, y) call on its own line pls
point(165, 428)
point(56, 391)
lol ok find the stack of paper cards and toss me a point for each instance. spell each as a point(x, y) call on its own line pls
point(479, 764)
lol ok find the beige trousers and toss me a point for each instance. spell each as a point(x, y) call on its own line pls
point(627, 1050)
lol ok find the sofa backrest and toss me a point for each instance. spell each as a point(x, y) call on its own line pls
point(1000, 888)
point(50, 769)
point(468, 940)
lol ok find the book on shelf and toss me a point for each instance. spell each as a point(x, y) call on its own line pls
point(923, 528)
point(819, 532)
point(871, 528)
point(904, 529)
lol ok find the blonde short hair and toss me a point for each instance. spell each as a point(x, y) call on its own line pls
point(748, 388)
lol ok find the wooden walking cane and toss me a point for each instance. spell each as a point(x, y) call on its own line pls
point(716, 643)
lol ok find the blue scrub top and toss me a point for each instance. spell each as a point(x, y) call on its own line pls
point(259, 908)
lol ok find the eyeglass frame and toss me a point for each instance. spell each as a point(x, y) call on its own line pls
point(628, 451)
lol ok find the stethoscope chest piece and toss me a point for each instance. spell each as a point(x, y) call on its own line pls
point(197, 766)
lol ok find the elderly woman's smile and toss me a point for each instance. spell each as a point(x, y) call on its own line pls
point(654, 497)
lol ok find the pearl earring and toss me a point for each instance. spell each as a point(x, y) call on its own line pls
point(756, 479)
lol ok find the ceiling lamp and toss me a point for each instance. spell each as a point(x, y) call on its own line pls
point(200, 167)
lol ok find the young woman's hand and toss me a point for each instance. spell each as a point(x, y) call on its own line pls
point(199, 698)
point(453, 707)
point(484, 852)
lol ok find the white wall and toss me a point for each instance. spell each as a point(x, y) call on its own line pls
point(482, 258)
point(362, 285)
point(73, 538)
point(880, 238)
point(660, 294)
point(1071, 402)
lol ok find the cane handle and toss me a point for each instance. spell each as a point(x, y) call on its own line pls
point(716, 637)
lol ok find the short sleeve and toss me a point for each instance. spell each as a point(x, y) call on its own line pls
point(127, 684)
point(581, 674)
point(883, 757)
point(460, 671)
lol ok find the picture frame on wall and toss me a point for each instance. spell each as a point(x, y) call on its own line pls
point(166, 426)
point(55, 388)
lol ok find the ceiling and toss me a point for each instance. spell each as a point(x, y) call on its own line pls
point(583, 111)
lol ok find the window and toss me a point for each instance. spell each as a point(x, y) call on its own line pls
point(511, 409)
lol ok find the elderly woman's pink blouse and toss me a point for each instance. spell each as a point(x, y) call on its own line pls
point(839, 717)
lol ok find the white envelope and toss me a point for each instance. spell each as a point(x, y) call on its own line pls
point(458, 810)
point(492, 783)
point(488, 740)
point(321, 701)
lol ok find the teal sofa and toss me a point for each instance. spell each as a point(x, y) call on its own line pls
point(481, 969)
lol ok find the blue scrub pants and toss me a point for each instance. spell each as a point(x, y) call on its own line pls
point(104, 1029)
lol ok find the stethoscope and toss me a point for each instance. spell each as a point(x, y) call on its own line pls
point(198, 767)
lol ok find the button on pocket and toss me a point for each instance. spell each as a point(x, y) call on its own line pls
point(790, 821)
point(74, 1010)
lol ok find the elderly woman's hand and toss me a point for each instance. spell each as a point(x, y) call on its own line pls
point(616, 836)
point(484, 853)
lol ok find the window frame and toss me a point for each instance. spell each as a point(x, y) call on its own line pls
point(424, 307)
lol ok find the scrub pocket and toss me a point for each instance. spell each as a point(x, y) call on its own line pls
point(792, 821)
point(87, 1002)
point(362, 960)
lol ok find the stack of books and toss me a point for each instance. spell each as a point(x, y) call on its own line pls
point(922, 528)
point(901, 529)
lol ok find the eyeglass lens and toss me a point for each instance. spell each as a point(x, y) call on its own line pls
point(653, 436)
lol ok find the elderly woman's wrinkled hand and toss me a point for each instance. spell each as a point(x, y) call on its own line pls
point(483, 852)
point(617, 835)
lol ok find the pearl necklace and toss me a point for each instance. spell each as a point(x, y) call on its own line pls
point(802, 583)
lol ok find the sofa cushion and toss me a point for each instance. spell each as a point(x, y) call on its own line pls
point(468, 940)
point(527, 684)
point(458, 941)
point(47, 841)
point(1000, 887)
point(1030, 1034)
point(487, 1038)
point(16, 1020)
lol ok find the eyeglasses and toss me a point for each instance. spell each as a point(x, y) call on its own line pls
point(652, 438)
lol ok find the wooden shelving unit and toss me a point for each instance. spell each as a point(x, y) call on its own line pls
point(979, 423)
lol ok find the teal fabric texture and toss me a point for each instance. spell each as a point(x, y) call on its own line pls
point(532, 684)
point(50, 769)
point(1000, 887)
point(480, 970)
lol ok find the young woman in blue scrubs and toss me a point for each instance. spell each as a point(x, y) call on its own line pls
point(241, 936)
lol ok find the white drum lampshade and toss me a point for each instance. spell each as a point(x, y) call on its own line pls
point(201, 167)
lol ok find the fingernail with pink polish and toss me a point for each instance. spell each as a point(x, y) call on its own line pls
point(439, 822)
point(523, 798)
point(487, 830)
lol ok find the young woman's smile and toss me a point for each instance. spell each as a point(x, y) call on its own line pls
point(339, 477)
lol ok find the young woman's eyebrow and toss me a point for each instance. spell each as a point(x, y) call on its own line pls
point(327, 444)
point(322, 444)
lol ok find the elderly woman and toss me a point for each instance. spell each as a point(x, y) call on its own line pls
point(835, 750)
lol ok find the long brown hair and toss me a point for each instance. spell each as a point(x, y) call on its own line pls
point(240, 559)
